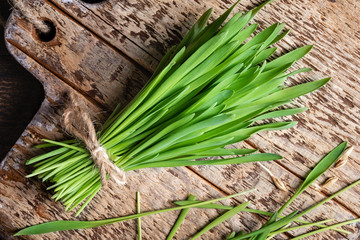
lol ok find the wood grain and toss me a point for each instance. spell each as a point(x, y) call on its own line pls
point(106, 52)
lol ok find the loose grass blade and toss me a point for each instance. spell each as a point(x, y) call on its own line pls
point(72, 225)
point(180, 219)
point(138, 209)
point(273, 226)
point(318, 170)
point(228, 214)
point(331, 227)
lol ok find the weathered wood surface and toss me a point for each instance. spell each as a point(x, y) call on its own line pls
point(106, 52)
point(20, 93)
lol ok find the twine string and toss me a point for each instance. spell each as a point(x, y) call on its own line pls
point(20, 6)
point(78, 123)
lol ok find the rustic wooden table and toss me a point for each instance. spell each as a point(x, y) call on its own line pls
point(106, 51)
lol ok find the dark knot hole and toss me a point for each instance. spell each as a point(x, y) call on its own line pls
point(49, 35)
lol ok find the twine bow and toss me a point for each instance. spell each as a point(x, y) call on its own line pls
point(78, 123)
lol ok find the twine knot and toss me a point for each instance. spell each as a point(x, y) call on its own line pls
point(78, 123)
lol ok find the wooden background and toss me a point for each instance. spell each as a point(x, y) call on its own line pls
point(105, 52)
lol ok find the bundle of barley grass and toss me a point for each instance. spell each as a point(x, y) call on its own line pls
point(206, 93)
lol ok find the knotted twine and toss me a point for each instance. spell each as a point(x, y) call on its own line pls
point(39, 24)
point(78, 123)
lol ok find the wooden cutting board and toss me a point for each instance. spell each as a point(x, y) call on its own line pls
point(105, 52)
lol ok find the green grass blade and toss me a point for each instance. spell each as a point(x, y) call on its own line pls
point(164, 61)
point(62, 144)
point(235, 26)
point(238, 133)
point(180, 219)
point(276, 225)
point(263, 235)
point(236, 160)
point(153, 139)
point(289, 57)
point(195, 31)
point(243, 35)
point(47, 155)
point(210, 30)
point(291, 92)
point(112, 118)
point(257, 9)
point(58, 166)
point(279, 37)
point(301, 70)
point(327, 199)
point(264, 37)
point(224, 152)
point(209, 206)
point(331, 227)
point(300, 226)
point(72, 225)
point(211, 64)
point(260, 212)
point(318, 170)
point(55, 159)
point(92, 195)
point(232, 234)
point(280, 113)
point(272, 219)
point(259, 87)
point(263, 55)
point(243, 134)
point(228, 214)
point(46, 145)
point(138, 209)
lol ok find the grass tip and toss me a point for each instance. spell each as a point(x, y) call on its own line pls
point(309, 47)
point(304, 109)
point(28, 162)
point(292, 124)
point(327, 79)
